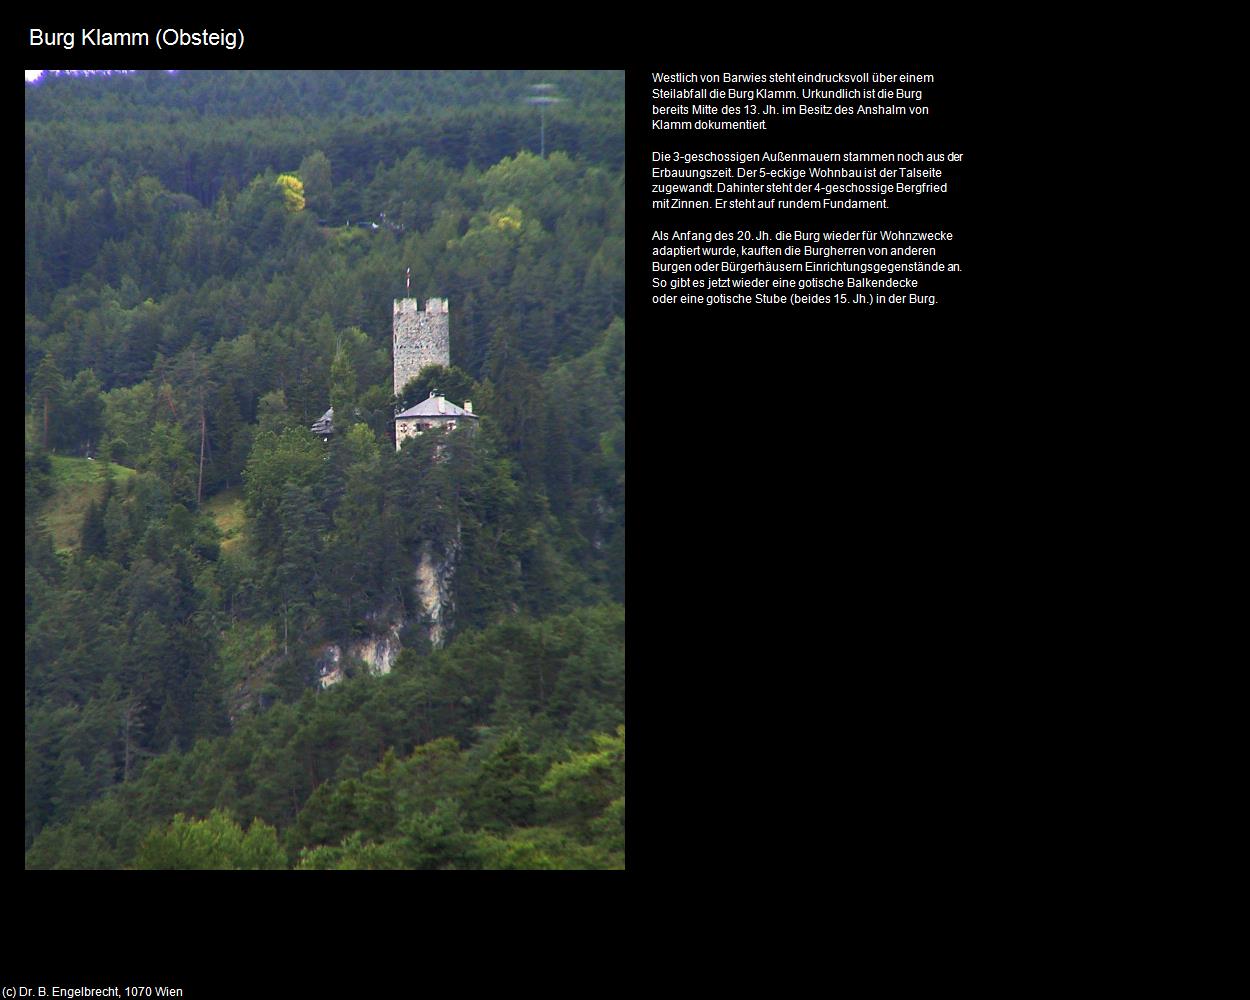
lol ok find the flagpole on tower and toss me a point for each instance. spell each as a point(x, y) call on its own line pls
point(408, 282)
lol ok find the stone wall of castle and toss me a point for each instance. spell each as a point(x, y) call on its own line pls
point(419, 337)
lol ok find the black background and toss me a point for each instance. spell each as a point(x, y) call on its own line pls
point(814, 496)
point(816, 504)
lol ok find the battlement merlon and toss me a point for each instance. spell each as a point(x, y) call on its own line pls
point(434, 307)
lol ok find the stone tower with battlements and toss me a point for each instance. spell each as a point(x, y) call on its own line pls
point(419, 337)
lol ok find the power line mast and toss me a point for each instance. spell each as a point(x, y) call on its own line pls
point(544, 95)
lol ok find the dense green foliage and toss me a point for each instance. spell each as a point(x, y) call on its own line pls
point(214, 843)
point(504, 734)
point(199, 290)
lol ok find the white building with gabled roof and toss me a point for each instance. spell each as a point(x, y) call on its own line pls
point(433, 414)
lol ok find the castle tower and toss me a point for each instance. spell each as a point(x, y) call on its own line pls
point(419, 337)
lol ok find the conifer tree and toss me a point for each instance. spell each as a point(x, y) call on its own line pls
point(48, 389)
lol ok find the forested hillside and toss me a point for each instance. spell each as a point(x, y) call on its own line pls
point(211, 261)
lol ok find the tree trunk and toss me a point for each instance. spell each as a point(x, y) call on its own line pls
point(128, 715)
point(199, 489)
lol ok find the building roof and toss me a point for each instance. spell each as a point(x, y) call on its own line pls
point(429, 408)
point(326, 424)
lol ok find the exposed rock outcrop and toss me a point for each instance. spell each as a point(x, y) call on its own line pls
point(433, 589)
point(436, 606)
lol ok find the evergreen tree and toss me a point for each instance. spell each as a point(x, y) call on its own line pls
point(83, 422)
point(48, 389)
point(505, 790)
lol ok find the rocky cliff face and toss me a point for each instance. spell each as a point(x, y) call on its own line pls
point(434, 574)
point(434, 578)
